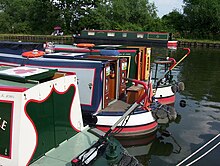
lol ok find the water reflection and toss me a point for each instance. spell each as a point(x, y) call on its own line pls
point(160, 143)
point(199, 119)
point(201, 74)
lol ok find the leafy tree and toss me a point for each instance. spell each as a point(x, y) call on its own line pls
point(202, 17)
point(5, 23)
point(43, 17)
point(123, 15)
point(72, 11)
point(174, 21)
point(17, 12)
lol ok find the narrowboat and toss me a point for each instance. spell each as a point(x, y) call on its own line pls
point(118, 98)
point(138, 57)
point(41, 122)
point(164, 92)
point(99, 88)
point(138, 65)
point(164, 85)
point(149, 39)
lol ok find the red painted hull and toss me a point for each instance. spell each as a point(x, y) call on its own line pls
point(167, 100)
point(131, 130)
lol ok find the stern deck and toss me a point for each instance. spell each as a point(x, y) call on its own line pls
point(66, 151)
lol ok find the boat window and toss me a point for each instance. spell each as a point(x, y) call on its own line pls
point(91, 33)
point(124, 34)
point(140, 35)
point(110, 34)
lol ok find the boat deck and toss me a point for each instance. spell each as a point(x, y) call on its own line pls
point(65, 152)
point(118, 106)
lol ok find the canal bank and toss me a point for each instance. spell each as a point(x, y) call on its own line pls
point(199, 43)
point(68, 39)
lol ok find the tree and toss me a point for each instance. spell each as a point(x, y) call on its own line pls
point(17, 12)
point(72, 11)
point(137, 15)
point(202, 17)
point(174, 21)
point(43, 17)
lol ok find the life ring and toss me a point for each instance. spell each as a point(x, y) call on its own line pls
point(85, 45)
point(33, 54)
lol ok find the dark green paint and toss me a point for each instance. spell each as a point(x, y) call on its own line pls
point(158, 36)
point(5, 114)
point(126, 34)
point(36, 77)
point(51, 119)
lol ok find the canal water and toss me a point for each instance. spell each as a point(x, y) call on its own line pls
point(197, 123)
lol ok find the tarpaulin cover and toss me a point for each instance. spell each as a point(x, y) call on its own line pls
point(18, 48)
point(109, 52)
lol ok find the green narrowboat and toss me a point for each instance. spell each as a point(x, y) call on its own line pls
point(148, 39)
point(41, 122)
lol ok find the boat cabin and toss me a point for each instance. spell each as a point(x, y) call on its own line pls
point(124, 37)
point(39, 109)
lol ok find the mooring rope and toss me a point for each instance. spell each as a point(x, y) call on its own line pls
point(201, 149)
point(203, 154)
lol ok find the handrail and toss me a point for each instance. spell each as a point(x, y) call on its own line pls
point(173, 66)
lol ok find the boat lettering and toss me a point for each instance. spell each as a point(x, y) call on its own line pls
point(6, 96)
point(3, 124)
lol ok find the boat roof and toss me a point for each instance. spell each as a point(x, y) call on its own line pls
point(140, 32)
point(55, 60)
point(21, 78)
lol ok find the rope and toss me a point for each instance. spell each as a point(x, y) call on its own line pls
point(125, 121)
point(198, 150)
point(203, 154)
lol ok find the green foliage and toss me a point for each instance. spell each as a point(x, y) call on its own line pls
point(123, 15)
point(5, 24)
point(200, 18)
point(43, 17)
point(174, 21)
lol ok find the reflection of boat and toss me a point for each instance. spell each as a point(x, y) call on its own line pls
point(155, 146)
point(41, 121)
point(129, 142)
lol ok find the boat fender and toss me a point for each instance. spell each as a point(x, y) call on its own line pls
point(85, 45)
point(181, 86)
point(172, 114)
point(33, 54)
point(165, 114)
point(174, 88)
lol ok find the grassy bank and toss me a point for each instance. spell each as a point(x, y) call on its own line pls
point(199, 41)
point(36, 38)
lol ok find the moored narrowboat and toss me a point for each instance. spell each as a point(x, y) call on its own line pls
point(41, 121)
point(149, 39)
point(95, 84)
point(165, 86)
